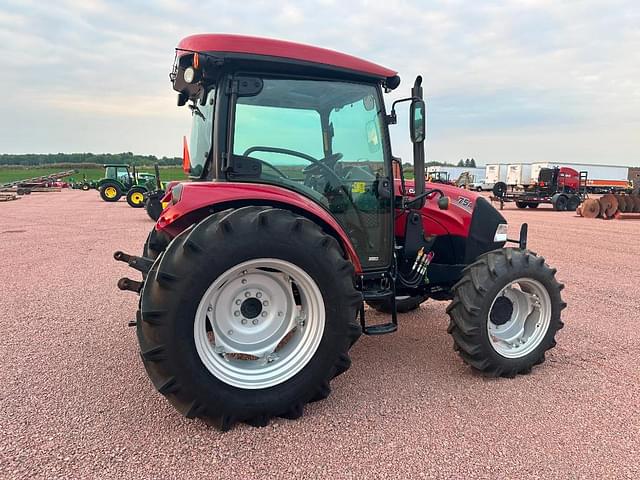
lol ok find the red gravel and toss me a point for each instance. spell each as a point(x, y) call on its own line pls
point(76, 403)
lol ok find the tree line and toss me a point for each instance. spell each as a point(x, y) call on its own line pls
point(469, 163)
point(125, 158)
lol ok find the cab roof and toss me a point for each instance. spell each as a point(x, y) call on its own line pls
point(241, 46)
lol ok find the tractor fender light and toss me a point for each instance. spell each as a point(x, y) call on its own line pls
point(501, 233)
point(176, 194)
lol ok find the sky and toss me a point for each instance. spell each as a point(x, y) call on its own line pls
point(505, 81)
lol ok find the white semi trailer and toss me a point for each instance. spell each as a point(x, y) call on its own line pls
point(493, 173)
point(519, 175)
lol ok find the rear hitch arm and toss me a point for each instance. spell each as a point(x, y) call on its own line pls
point(142, 264)
point(127, 284)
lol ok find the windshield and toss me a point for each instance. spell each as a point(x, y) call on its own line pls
point(201, 133)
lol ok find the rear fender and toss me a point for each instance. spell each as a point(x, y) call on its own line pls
point(198, 200)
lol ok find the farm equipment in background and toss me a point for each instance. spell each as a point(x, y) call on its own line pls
point(256, 275)
point(465, 180)
point(84, 185)
point(43, 183)
point(562, 187)
point(122, 180)
point(612, 206)
point(440, 177)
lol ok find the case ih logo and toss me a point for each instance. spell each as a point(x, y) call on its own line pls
point(465, 204)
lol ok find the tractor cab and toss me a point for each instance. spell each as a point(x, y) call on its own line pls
point(256, 275)
point(440, 177)
point(120, 173)
point(317, 130)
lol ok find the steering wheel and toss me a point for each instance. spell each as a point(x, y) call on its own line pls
point(328, 162)
point(321, 164)
point(316, 166)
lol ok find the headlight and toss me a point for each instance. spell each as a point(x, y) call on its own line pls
point(189, 75)
point(501, 233)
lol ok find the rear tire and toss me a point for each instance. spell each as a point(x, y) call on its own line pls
point(403, 304)
point(110, 192)
point(522, 204)
point(560, 203)
point(186, 272)
point(474, 306)
point(533, 205)
point(573, 202)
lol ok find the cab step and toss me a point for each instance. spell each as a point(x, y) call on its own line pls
point(382, 328)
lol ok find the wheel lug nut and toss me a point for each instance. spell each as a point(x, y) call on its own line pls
point(244, 281)
point(264, 314)
point(230, 332)
point(237, 313)
point(209, 308)
point(238, 302)
point(258, 295)
point(255, 321)
point(243, 321)
point(247, 294)
point(265, 303)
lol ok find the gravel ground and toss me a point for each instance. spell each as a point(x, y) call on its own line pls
point(76, 402)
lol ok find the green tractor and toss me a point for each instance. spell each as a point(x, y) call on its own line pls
point(125, 180)
point(84, 184)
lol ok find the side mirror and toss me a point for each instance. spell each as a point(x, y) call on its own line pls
point(417, 121)
point(443, 203)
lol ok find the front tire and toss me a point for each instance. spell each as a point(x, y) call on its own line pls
point(135, 197)
point(505, 312)
point(185, 328)
point(153, 205)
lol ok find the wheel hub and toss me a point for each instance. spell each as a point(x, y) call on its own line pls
point(519, 318)
point(501, 311)
point(251, 330)
point(251, 308)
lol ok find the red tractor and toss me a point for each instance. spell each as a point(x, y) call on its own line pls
point(256, 275)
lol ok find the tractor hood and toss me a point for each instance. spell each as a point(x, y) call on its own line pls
point(457, 218)
point(470, 223)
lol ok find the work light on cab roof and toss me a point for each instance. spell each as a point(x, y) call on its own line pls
point(256, 275)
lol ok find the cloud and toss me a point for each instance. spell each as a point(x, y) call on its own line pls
point(493, 71)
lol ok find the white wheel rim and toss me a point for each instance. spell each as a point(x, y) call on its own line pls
point(250, 309)
point(517, 334)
